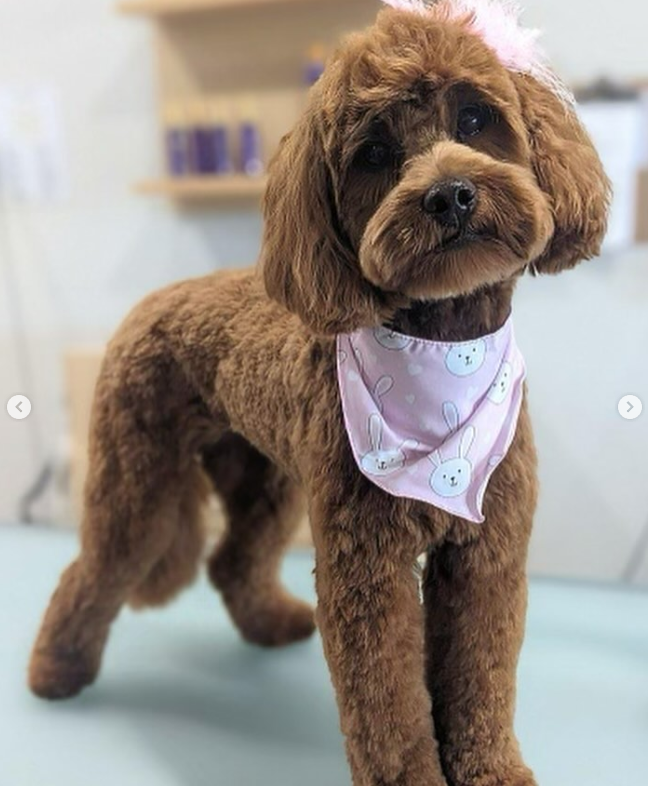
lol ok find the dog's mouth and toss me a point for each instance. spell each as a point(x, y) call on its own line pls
point(462, 238)
point(449, 264)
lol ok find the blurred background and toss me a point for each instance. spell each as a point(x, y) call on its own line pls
point(133, 141)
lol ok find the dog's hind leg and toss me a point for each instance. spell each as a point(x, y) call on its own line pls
point(263, 508)
point(178, 565)
point(142, 472)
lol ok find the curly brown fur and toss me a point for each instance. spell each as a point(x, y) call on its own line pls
point(245, 565)
point(214, 377)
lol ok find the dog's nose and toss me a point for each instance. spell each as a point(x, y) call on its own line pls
point(451, 202)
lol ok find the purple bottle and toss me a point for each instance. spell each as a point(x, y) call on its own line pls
point(220, 137)
point(203, 145)
point(250, 140)
point(178, 141)
point(202, 136)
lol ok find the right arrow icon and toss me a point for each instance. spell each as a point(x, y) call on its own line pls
point(630, 407)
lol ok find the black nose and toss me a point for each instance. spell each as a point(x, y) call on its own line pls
point(451, 202)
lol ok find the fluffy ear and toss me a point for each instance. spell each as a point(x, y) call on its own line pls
point(308, 264)
point(569, 171)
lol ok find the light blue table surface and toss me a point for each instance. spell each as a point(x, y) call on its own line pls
point(182, 701)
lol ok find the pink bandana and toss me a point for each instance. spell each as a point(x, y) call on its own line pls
point(430, 420)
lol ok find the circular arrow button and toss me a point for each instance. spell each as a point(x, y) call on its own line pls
point(18, 407)
point(630, 407)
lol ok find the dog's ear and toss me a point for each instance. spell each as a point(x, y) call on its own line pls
point(569, 171)
point(307, 262)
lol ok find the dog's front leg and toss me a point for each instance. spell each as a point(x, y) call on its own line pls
point(475, 600)
point(371, 624)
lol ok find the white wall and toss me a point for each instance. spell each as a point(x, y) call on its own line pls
point(590, 38)
point(583, 336)
point(80, 266)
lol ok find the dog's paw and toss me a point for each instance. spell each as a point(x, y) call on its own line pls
point(60, 674)
point(277, 622)
point(506, 778)
point(513, 774)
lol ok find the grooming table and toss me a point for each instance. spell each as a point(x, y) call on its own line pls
point(182, 701)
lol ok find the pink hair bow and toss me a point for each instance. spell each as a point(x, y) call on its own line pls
point(497, 23)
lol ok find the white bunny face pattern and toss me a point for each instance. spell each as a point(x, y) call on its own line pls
point(389, 339)
point(465, 359)
point(452, 476)
point(378, 461)
point(501, 384)
point(444, 449)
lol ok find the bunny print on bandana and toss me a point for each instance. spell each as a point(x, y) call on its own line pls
point(466, 359)
point(379, 461)
point(424, 418)
point(501, 383)
point(452, 476)
point(389, 339)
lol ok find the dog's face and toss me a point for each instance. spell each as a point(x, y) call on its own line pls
point(435, 185)
point(424, 169)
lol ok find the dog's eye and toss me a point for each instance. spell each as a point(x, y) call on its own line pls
point(473, 119)
point(375, 156)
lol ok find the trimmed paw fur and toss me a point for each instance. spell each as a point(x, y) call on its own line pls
point(60, 674)
point(277, 623)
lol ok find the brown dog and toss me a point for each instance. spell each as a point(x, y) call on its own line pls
point(233, 377)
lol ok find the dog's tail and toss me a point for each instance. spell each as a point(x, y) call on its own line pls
point(178, 566)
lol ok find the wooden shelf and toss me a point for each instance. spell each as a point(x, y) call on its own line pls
point(246, 64)
point(175, 7)
point(221, 188)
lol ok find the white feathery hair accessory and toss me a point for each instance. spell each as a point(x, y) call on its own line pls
point(497, 23)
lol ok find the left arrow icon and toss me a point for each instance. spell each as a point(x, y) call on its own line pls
point(18, 407)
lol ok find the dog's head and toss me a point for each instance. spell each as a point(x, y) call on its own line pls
point(425, 168)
